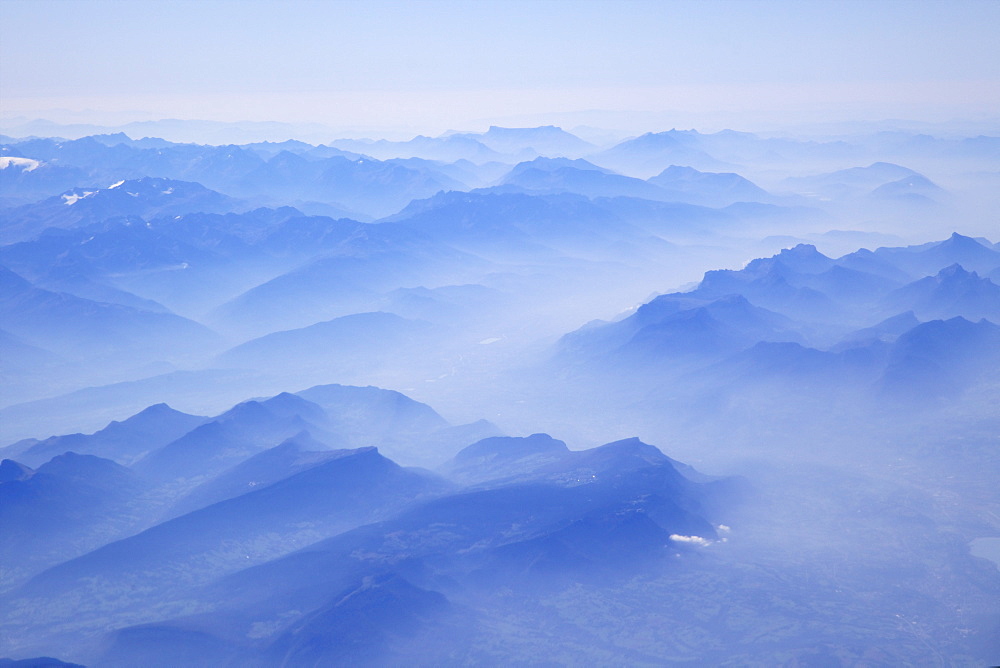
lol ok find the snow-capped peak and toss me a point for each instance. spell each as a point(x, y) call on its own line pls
point(26, 164)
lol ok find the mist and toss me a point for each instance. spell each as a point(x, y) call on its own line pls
point(522, 395)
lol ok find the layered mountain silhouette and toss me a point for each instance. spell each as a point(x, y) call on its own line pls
point(952, 291)
point(558, 175)
point(368, 338)
point(777, 326)
point(547, 140)
point(538, 512)
point(124, 442)
point(173, 500)
point(687, 184)
point(853, 181)
point(240, 432)
point(76, 327)
point(355, 543)
point(942, 358)
point(337, 492)
point(144, 197)
point(332, 177)
point(677, 327)
point(674, 184)
point(74, 500)
point(652, 153)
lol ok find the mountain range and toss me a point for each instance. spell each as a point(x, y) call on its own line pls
point(167, 498)
point(296, 523)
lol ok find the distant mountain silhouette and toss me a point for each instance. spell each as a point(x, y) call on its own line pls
point(123, 442)
point(339, 178)
point(372, 260)
point(850, 182)
point(496, 224)
point(407, 430)
point(448, 149)
point(503, 457)
point(887, 330)
point(677, 330)
point(940, 358)
point(546, 140)
point(144, 197)
point(373, 410)
point(914, 188)
point(72, 326)
point(651, 153)
point(223, 441)
point(929, 259)
point(283, 460)
point(343, 345)
point(370, 186)
point(547, 175)
point(687, 184)
point(780, 330)
point(952, 292)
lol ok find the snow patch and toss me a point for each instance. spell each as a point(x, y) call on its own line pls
point(693, 540)
point(73, 198)
point(115, 185)
point(168, 191)
point(26, 164)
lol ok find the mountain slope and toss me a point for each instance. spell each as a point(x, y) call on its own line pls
point(145, 198)
point(69, 505)
point(77, 327)
point(123, 442)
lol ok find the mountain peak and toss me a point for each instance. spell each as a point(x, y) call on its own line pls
point(540, 130)
point(11, 470)
point(804, 258)
point(82, 467)
point(680, 171)
point(633, 447)
point(552, 164)
point(957, 240)
point(155, 410)
point(511, 447)
point(803, 251)
point(956, 271)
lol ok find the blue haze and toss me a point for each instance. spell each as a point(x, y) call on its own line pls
point(420, 334)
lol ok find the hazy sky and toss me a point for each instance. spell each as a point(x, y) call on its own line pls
point(434, 65)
